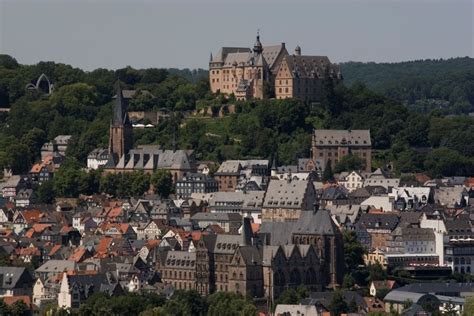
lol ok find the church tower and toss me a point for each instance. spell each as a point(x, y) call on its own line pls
point(120, 138)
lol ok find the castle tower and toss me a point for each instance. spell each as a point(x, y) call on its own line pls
point(257, 47)
point(298, 50)
point(120, 138)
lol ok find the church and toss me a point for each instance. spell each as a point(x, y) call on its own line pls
point(122, 157)
point(270, 72)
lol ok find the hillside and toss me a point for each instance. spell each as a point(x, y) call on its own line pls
point(81, 106)
point(424, 85)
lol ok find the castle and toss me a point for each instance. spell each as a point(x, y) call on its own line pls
point(270, 72)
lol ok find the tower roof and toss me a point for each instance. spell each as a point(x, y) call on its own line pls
point(257, 47)
point(120, 116)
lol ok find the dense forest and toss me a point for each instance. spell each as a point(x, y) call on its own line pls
point(424, 85)
point(81, 105)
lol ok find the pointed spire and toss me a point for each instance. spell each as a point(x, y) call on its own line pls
point(246, 232)
point(210, 58)
point(257, 47)
point(119, 110)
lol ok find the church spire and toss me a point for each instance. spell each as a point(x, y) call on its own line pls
point(119, 117)
point(257, 47)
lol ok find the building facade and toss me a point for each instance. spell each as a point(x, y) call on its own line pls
point(332, 145)
point(195, 183)
point(269, 71)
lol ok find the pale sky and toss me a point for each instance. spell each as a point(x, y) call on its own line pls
point(181, 34)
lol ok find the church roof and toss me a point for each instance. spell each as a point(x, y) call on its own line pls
point(315, 223)
point(120, 116)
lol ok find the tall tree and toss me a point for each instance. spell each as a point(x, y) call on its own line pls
point(162, 182)
point(338, 304)
point(328, 176)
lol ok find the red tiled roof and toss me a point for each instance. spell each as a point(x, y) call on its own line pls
point(29, 251)
point(9, 300)
point(152, 243)
point(54, 250)
point(469, 182)
point(104, 244)
point(39, 228)
point(255, 227)
point(66, 229)
point(78, 255)
point(115, 212)
point(31, 215)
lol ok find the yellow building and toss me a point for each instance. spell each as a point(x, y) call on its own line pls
point(303, 76)
point(269, 71)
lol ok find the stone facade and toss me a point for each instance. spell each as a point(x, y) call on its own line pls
point(285, 200)
point(303, 77)
point(332, 145)
point(269, 71)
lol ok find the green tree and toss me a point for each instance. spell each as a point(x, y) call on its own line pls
point(8, 62)
point(34, 139)
point(222, 303)
point(140, 183)
point(162, 182)
point(45, 192)
point(348, 282)
point(16, 157)
point(352, 307)
point(109, 183)
point(354, 251)
point(327, 173)
point(66, 179)
point(19, 308)
point(377, 272)
point(187, 303)
point(469, 306)
point(349, 163)
point(338, 304)
point(77, 99)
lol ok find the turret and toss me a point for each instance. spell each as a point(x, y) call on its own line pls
point(298, 50)
point(257, 47)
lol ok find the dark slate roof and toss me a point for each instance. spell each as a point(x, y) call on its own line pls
point(333, 193)
point(438, 288)
point(15, 277)
point(311, 66)
point(276, 233)
point(251, 255)
point(315, 223)
point(325, 298)
point(398, 296)
point(332, 137)
point(120, 116)
point(378, 221)
point(310, 222)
